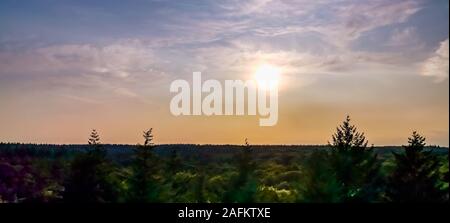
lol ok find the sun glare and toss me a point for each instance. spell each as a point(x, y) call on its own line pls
point(267, 76)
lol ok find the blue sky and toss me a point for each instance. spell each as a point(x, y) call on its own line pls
point(58, 58)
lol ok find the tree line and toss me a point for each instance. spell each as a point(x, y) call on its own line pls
point(349, 171)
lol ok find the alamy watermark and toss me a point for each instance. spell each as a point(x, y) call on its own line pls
point(237, 97)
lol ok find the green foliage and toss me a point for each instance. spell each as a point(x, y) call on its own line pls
point(143, 182)
point(356, 166)
point(444, 177)
point(174, 163)
point(270, 194)
point(199, 186)
point(320, 183)
point(217, 185)
point(345, 171)
point(416, 176)
point(350, 172)
point(91, 176)
point(243, 186)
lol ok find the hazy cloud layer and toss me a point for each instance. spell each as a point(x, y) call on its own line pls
point(225, 36)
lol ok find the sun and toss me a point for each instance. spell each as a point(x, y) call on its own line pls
point(267, 76)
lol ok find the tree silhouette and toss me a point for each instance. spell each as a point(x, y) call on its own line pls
point(243, 187)
point(148, 137)
point(347, 137)
point(143, 183)
point(89, 177)
point(94, 138)
point(355, 165)
point(319, 184)
point(416, 174)
point(346, 170)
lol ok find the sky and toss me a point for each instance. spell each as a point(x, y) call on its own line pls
point(67, 67)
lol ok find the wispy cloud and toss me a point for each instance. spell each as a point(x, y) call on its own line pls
point(437, 65)
point(121, 59)
point(82, 99)
point(110, 67)
point(125, 92)
point(403, 37)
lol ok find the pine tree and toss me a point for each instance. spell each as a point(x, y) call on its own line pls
point(243, 187)
point(148, 137)
point(89, 177)
point(319, 184)
point(94, 138)
point(356, 166)
point(416, 174)
point(143, 185)
point(96, 146)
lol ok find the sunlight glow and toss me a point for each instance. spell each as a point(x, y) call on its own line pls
point(267, 76)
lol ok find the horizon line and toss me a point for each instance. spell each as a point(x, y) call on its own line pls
point(203, 144)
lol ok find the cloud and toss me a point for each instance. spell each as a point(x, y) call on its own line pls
point(120, 59)
point(312, 36)
point(348, 18)
point(403, 37)
point(316, 35)
point(236, 7)
point(125, 92)
point(338, 22)
point(103, 70)
point(437, 65)
point(82, 99)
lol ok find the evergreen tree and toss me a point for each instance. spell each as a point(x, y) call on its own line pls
point(143, 183)
point(319, 184)
point(356, 166)
point(89, 178)
point(416, 174)
point(96, 146)
point(94, 139)
point(243, 187)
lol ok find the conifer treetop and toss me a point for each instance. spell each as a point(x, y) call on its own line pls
point(347, 136)
point(416, 141)
point(148, 137)
point(94, 138)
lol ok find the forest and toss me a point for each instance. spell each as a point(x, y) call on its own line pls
point(345, 169)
